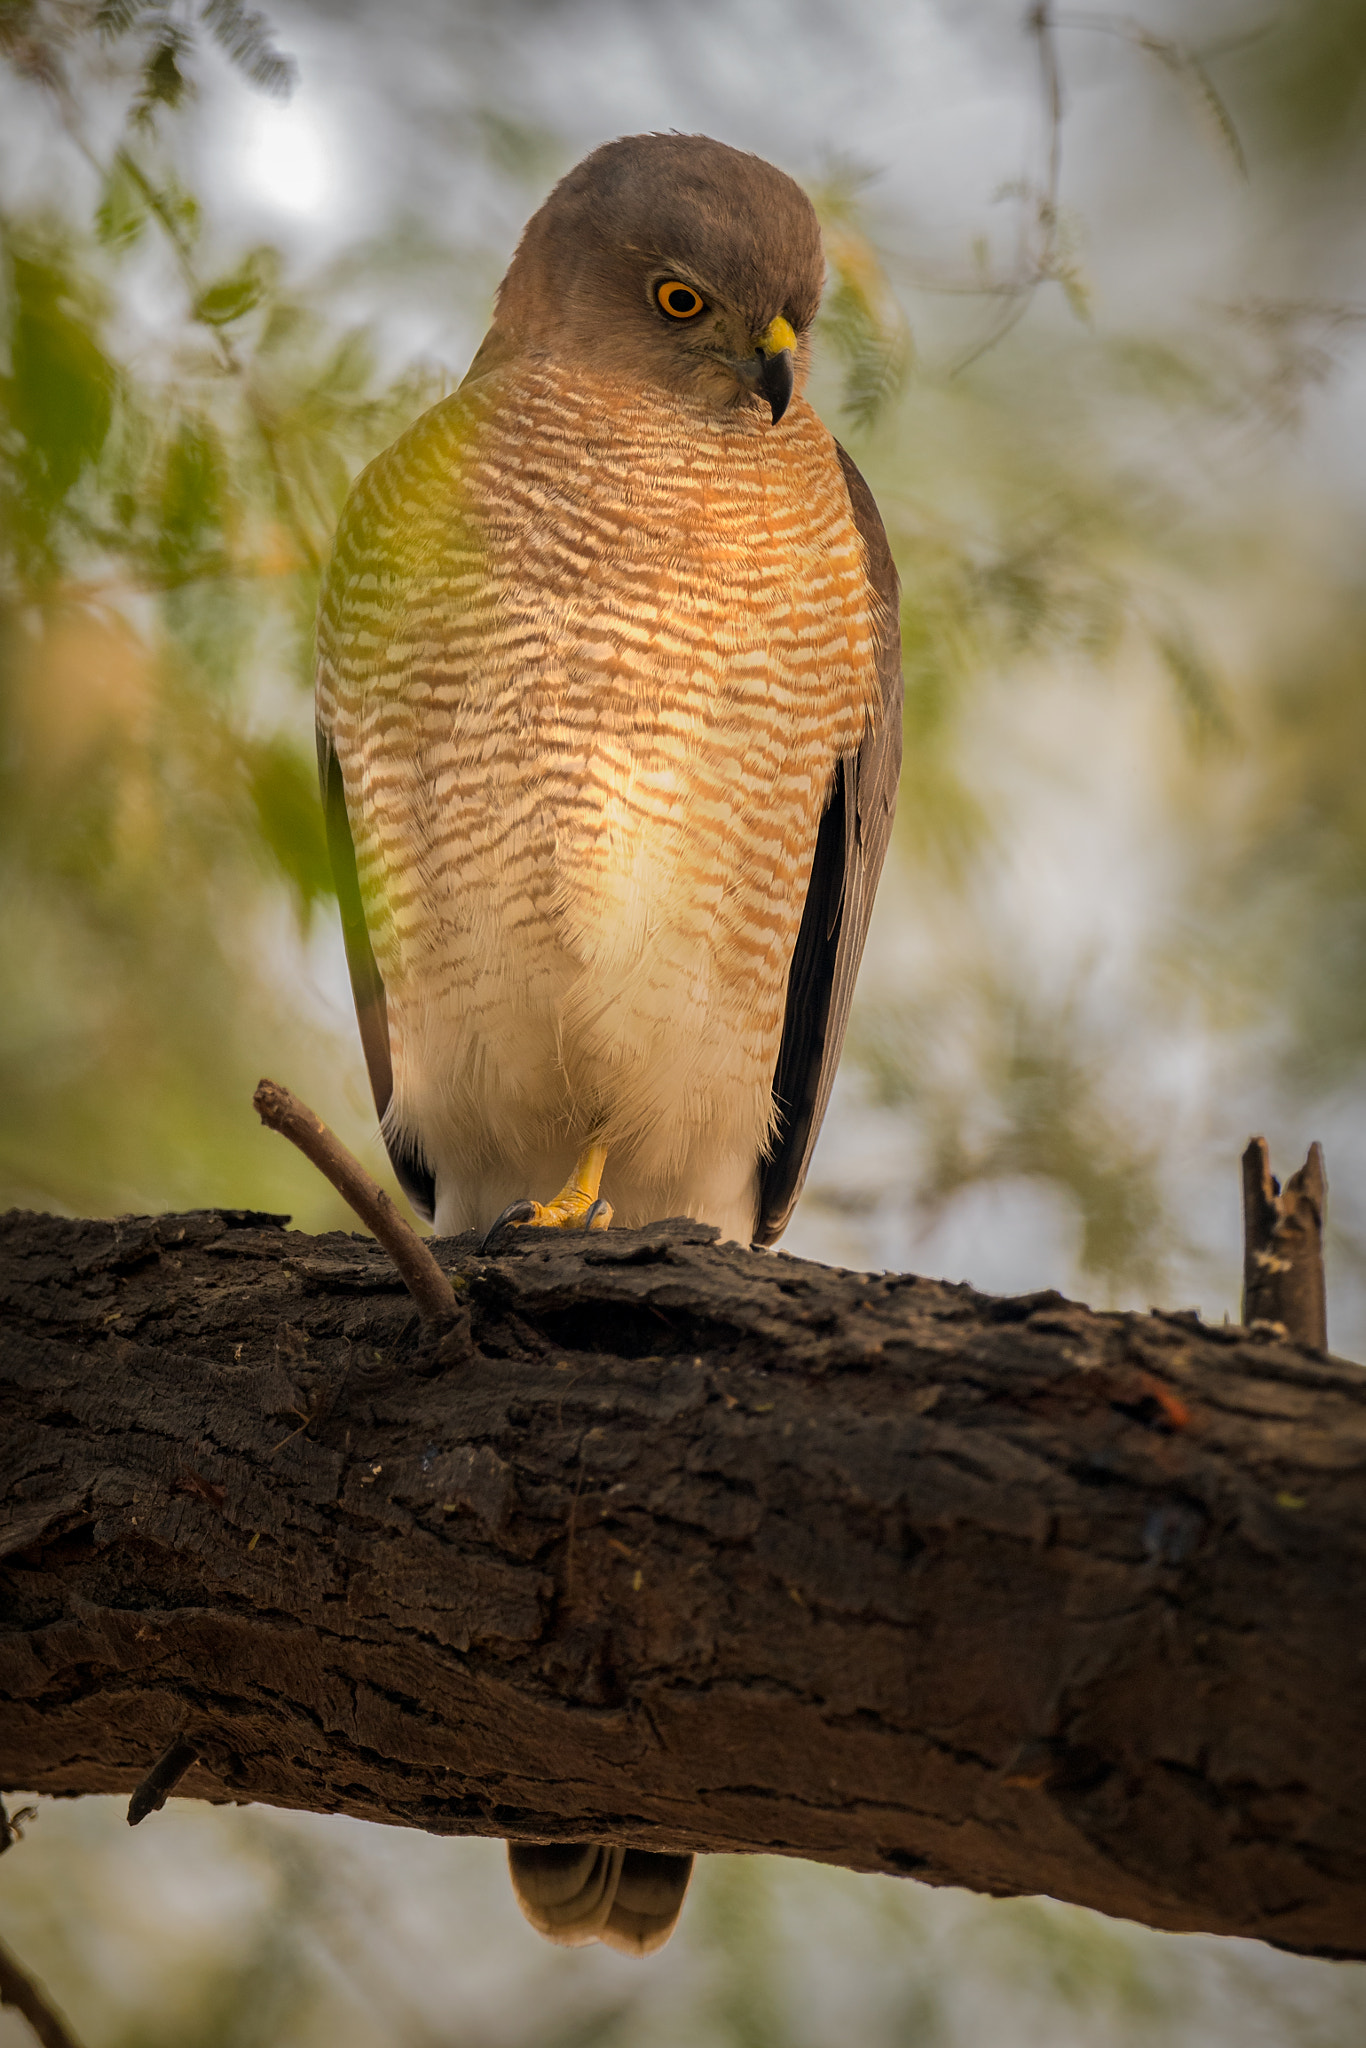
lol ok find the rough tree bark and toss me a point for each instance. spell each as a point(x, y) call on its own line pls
point(676, 1544)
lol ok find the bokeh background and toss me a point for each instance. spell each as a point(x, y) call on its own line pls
point(1096, 332)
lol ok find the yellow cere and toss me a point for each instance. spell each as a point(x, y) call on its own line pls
point(777, 336)
point(679, 301)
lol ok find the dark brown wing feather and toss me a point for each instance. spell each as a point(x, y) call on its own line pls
point(372, 1010)
point(850, 850)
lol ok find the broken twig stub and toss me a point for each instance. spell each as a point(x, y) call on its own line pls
point(161, 1781)
point(1283, 1283)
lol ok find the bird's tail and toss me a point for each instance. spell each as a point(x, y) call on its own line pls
point(577, 1892)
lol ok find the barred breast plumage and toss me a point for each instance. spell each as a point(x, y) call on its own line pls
point(588, 657)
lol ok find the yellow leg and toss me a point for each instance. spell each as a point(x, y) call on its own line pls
point(576, 1205)
point(577, 1196)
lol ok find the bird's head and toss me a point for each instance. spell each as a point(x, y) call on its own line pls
point(669, 260)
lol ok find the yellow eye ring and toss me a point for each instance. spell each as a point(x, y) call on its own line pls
point(678, 300)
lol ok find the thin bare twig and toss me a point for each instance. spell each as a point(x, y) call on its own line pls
point(423, 1278)
point(18, 1989)
point(1039, 258)
point(1043, 254)
point(161, 1781)
point(1181, 61)
point(1043, 25)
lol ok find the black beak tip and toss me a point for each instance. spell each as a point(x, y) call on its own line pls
point(775, 381)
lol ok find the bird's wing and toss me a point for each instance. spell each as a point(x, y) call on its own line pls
point(850, 850)
point(414, 1175)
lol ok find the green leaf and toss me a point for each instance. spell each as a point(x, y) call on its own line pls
point(876, 347)
point(228, 300)
point(114, 18)
point(178, 208)
point(284, 790)
point(1185, 66)
point(163, 82)
point(246, 37)
point(60, 391)
point(233, 297)
point(192, 497)
point(123, 210)
point(1076, 291)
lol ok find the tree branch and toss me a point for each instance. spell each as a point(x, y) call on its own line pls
point(18, 1989)
point(698, 1549)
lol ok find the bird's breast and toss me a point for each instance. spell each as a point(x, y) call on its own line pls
point(588, 707)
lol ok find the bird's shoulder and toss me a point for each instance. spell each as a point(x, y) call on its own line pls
point(404, 517)
point(415, 472)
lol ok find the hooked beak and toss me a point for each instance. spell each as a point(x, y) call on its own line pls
point(773, 368)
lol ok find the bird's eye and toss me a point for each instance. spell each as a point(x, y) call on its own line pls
point(679, 301)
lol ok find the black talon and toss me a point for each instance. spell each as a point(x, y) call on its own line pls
point(515, 1212)
point(596, 1210)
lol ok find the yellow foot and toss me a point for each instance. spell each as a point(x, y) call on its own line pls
point(577, 1206)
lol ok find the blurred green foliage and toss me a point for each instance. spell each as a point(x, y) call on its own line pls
point(167, 494)
point(1305, 73)
point(1080, 509)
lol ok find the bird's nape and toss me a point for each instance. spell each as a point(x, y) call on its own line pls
point(579, 1892)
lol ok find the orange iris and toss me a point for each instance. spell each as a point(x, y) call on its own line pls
point(679, 301)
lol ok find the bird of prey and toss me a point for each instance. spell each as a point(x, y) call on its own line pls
point(609, 729)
